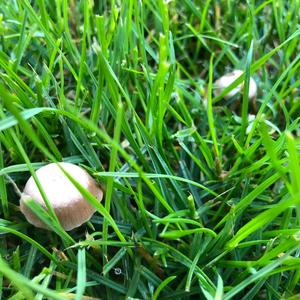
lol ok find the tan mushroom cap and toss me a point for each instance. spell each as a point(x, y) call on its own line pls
point(226, 80)
point(71, 208)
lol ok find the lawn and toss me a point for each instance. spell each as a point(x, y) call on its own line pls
point(201, 191)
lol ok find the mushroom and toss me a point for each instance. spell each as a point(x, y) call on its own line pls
point(228, 79)
point(70, 207)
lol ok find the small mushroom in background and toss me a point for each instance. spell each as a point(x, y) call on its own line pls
point(228, 79)
point(71, 208)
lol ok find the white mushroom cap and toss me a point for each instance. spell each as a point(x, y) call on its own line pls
point(71, 208)
point(228, 79)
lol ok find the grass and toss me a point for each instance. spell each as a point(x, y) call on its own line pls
point(201, 201)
